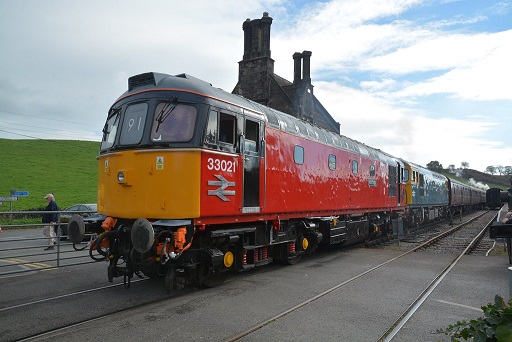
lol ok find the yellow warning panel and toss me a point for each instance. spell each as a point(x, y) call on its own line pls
point(159, 162)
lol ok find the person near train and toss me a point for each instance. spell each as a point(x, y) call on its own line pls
point(508, 218)
point(50, 219)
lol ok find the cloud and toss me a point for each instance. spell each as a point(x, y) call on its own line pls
point(395, 74)
point(409, 133)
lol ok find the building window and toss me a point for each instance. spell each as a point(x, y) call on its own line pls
point(298, 154)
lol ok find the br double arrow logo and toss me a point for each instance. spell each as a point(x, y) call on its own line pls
point(221, 192)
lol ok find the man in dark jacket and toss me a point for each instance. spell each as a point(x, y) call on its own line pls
point(50, 219)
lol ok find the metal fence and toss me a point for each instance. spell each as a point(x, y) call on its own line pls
point(22, 245)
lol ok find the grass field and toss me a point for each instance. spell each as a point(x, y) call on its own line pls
point(68, 168)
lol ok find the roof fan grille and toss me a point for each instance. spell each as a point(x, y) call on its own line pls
point(141, 80)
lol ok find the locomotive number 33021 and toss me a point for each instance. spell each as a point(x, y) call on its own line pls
point(221, 165)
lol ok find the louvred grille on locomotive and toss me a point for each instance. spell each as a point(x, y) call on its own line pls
point(141, 80)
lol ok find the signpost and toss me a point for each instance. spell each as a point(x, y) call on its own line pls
point(13, 197)
point(19, 193)
point(9, 199)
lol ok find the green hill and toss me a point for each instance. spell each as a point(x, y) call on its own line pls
point(68, 168)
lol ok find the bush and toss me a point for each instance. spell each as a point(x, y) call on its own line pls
point(494, 325)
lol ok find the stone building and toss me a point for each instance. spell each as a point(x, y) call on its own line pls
point(258, 82)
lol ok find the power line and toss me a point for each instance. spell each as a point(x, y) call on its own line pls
point(23, 135)
point(45, 118)
point(53, 130)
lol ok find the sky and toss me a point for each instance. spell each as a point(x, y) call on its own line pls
point(424, 80)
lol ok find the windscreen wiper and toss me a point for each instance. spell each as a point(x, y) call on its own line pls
point(166, 110)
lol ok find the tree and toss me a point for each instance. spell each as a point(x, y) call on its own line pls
point(508, 170)
point(464, 165)
point(435, 166)
point(451, 168)
point(490, 169)
point(500, 169)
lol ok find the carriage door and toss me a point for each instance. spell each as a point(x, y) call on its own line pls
point(251, 153)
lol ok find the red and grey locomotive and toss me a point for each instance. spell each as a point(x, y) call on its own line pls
point(197, 181)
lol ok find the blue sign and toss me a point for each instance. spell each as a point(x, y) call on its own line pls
point(19, 193)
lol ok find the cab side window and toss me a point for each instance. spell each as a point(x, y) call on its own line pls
point(211, 128)
point(221, 131)
point(227, 132)
point(252, 130)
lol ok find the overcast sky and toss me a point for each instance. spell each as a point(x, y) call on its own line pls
point(421, 79)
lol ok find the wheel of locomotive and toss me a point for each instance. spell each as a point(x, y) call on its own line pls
point(209, 279)
point(170, 279)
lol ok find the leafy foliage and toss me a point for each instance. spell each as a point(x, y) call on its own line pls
point(435, 166)
point(68, 168)
point(494, 326)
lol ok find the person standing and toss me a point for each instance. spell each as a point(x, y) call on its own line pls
point(49, 220)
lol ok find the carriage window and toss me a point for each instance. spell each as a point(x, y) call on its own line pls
point(133, 124)
point(211, 129)
point(173, 123)
point(405, 175)
point(372, 170)
point(298, 154)
point(227, 129)
point(252, 130)
point(332, 162)
point(355, 167)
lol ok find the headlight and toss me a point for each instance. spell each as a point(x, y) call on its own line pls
point(120, 176)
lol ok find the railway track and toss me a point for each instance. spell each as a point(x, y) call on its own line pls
point(440, 237)
point(417, 243)
point(455, 240)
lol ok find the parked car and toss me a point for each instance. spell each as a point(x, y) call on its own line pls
point(92, 219)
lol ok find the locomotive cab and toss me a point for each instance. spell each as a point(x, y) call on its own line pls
point(174, 158)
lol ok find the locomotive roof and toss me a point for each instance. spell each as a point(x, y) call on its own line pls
point(275, 118)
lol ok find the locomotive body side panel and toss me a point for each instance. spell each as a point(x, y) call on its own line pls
point(221, 184)
point(334, 186)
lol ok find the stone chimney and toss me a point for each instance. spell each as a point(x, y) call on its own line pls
point(297, 56)
point(306, 64)
point(257, 37)
point(303, 59)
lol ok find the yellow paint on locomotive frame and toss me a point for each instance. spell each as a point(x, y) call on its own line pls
point(171, 191)
point(229, 258)
point(305, 243)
